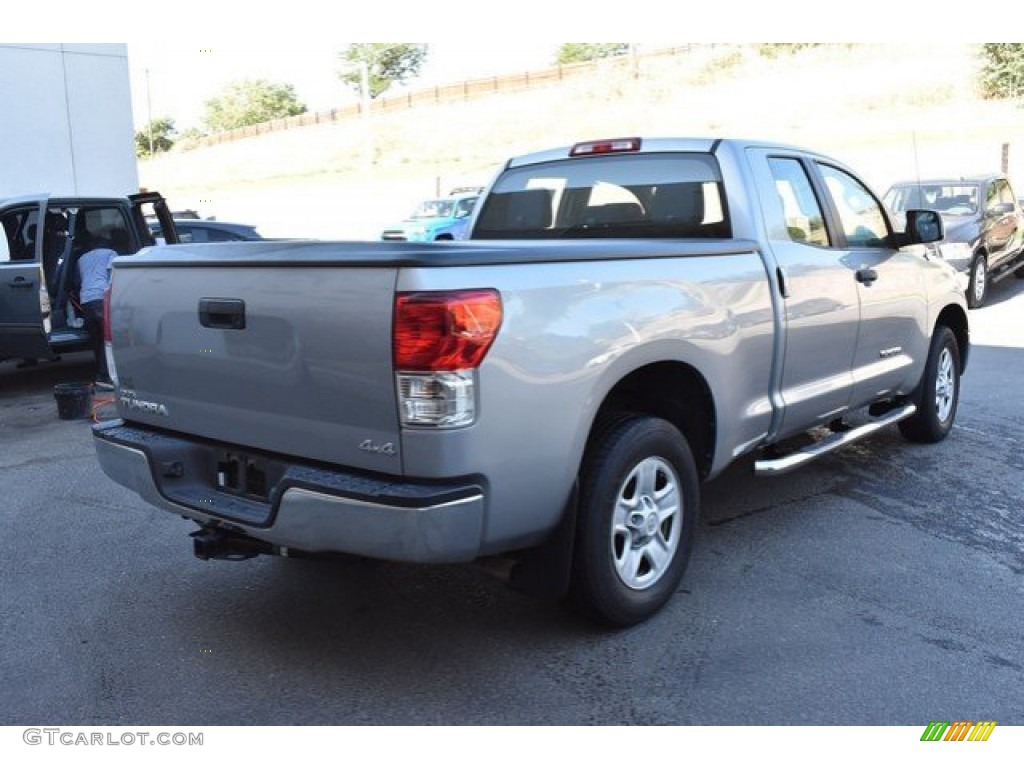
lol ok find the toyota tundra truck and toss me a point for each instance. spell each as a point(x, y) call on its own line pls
point(629, 318)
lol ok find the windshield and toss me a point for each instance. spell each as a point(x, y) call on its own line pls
point(676, 195)
point(445, 208)
point(434, 209)
point(952, 199)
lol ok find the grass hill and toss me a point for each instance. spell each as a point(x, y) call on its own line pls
point(890, 111)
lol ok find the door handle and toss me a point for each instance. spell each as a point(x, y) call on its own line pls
point(21, 282)
point(222, 313)
point(866, 275)
point(783, 284)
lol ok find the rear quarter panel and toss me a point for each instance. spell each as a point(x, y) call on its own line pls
point(570, 332)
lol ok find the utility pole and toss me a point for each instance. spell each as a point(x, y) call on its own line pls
point(364, 94)
point(149, 114)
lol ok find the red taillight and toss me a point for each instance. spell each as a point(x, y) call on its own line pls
point(605, 147)
point(108, 335)
point(444, 330)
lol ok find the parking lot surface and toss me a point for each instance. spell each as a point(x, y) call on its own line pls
point(881, 585)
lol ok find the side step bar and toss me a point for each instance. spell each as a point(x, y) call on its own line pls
point(791, 461)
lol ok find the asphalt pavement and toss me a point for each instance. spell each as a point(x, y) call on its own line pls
point(881, 585)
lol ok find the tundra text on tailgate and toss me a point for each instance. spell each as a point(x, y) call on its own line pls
point(628, 318)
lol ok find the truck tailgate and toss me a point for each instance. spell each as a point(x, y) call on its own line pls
point(289, 358)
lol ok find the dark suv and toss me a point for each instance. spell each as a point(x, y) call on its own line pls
point(983, 221)
point(41, 238)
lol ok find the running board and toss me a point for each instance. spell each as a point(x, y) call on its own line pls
point(791, 461)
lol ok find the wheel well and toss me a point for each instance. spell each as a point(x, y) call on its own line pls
point(672, 391)
point(954, 318)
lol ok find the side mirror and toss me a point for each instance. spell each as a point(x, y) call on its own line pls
point(922, 227)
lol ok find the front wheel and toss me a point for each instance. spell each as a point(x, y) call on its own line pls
point(977, 286)
point(938, 393)
point(638, 505)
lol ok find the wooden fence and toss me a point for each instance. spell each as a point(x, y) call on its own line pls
point(441, 94)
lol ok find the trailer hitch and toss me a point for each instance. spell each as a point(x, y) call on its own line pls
point(213, 543)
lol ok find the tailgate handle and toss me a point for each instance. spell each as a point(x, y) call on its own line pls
point(222, 313)
point(866, 275)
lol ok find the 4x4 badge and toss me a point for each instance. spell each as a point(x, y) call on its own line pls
point(387, 449)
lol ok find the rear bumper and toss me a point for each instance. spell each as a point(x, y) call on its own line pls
point(310, 508)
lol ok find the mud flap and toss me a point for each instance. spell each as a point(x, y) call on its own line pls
point(546, 570)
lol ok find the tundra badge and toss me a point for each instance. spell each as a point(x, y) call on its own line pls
point(132, 403)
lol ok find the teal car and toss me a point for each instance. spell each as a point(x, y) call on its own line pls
point(445, 218)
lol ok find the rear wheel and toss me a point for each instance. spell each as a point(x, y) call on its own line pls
point(939, 392)
point(639, 499)
point(977, 286)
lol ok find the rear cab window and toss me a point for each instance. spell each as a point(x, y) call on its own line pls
point(655, 195)
point(805, 222)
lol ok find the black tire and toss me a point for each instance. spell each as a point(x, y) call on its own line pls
point(977, 284)
point(638, 505)
point(938, 393)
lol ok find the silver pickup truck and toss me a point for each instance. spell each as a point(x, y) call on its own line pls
point(629, 317)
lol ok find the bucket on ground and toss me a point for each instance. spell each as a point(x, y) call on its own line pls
point(74, 400)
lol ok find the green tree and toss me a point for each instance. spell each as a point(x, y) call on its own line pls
point(386, 64)
point(570, 53)
point(248, 102)
point(162, 133)
point(1002, 70)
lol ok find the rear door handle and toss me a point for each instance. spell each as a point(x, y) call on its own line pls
point(222, 313)
point(21, 282)
point(866, 275)
point(780, 273)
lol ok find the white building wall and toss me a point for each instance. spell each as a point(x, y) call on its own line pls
point(66, 120)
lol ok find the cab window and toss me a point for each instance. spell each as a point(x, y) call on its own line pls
point(999, 194)
point(801, 209)
point(860, 214)
point(20, 229)
point(464, 207)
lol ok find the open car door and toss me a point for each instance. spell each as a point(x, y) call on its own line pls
point(153, 204)
point(24, 300)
